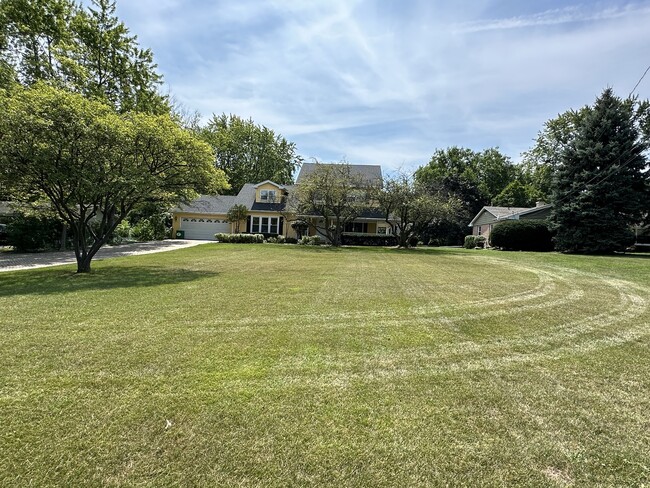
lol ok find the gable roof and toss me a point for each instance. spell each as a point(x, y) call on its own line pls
point(369, 173)
point(498, 212)
point(269, 181)
point(208, 204)
point(501, 213)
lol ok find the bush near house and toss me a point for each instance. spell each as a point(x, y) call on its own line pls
point(310, 241)
point(472, 242)
point(240, 238)
point(522, 235)
point(29, 233)
point(370, 240)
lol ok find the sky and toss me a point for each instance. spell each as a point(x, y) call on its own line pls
point(388, 82)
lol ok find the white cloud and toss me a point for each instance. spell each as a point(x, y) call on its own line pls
point(380, 82)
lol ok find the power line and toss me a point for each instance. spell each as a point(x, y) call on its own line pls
point(639, 82)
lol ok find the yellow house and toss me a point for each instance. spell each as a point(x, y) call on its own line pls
point(265, 202)
point(207, 215)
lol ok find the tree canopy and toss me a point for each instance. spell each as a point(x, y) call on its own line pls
point(250, 153)
point(409, 208)
point(333, 194)
point(95, 165)
point(473, 178)
point(83, 49)
point(600, 185)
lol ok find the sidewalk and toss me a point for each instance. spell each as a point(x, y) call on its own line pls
point(10, 261)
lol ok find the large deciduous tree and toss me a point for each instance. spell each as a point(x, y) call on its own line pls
point(334, 195)
point(86, 50)
point(600, 187)
point(474, 178)
point(410, 209)
point(250, 153)
point(95, 165)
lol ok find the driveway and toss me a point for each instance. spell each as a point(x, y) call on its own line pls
point(10, 261)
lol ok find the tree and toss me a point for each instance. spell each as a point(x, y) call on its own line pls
point(409, 209)
point(86, 50)
point(95, 165)
point(474, 178)
point(518, 194)
point(333, 194)
point(250, 153)
point(600, 188)
point(236, 214)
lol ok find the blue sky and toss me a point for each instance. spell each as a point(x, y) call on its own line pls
point(388, 82)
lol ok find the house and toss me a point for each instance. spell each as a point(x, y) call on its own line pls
point(267, 213)
point(488, 217)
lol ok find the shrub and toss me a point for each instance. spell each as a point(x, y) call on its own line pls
point(240, 238)
point(310, 241)
point(369, 240)
point(290, 240)
point(122, 233)
point(521, 235)
point(473, 242)
point(470, 242)
point(32, 233)
point(413, 241)
point(279, 239)
point(143, 231)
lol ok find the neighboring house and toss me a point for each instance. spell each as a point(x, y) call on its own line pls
point(488, 217)
point(265, 201)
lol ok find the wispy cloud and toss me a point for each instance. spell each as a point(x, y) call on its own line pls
point(566, 15)
point(389, 83)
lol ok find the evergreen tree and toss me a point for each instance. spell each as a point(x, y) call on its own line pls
point(600, 186)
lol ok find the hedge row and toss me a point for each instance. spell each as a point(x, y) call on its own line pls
point(370, 240)
point(240, 238)
point(521, 235)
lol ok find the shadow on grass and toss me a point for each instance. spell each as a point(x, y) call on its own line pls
point(53, 281)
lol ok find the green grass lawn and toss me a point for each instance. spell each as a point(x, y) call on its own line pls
point(269, 365)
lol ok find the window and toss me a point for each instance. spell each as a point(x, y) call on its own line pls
point(480, 230)
point(356, 227)
point(381, 230)
point(265, 225)
point(267, 195)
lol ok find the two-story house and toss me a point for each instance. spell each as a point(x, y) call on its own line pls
point(265, 201)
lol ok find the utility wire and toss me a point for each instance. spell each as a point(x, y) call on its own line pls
point(639, 82)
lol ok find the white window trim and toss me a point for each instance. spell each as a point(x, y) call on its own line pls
point(261, 229)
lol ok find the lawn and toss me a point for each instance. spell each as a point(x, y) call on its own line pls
point(270, 365)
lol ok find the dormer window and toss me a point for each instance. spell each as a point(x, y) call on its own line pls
point(267, 195)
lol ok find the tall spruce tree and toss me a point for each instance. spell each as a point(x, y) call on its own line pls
point(600, 186)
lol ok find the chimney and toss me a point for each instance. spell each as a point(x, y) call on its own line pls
point(540, 203)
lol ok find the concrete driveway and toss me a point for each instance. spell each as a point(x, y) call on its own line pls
point(10, 261)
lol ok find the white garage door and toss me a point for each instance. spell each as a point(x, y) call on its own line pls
point(204, 228)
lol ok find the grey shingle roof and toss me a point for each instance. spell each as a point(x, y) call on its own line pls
point(369, 173)
point(500, 212)
point(208, 204)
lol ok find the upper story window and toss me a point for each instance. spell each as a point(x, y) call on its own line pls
point(268, 195)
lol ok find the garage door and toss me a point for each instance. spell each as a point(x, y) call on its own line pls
point(204, 228)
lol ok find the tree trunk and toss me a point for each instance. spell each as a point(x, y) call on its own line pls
point(83, 264)
point(64, 236)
